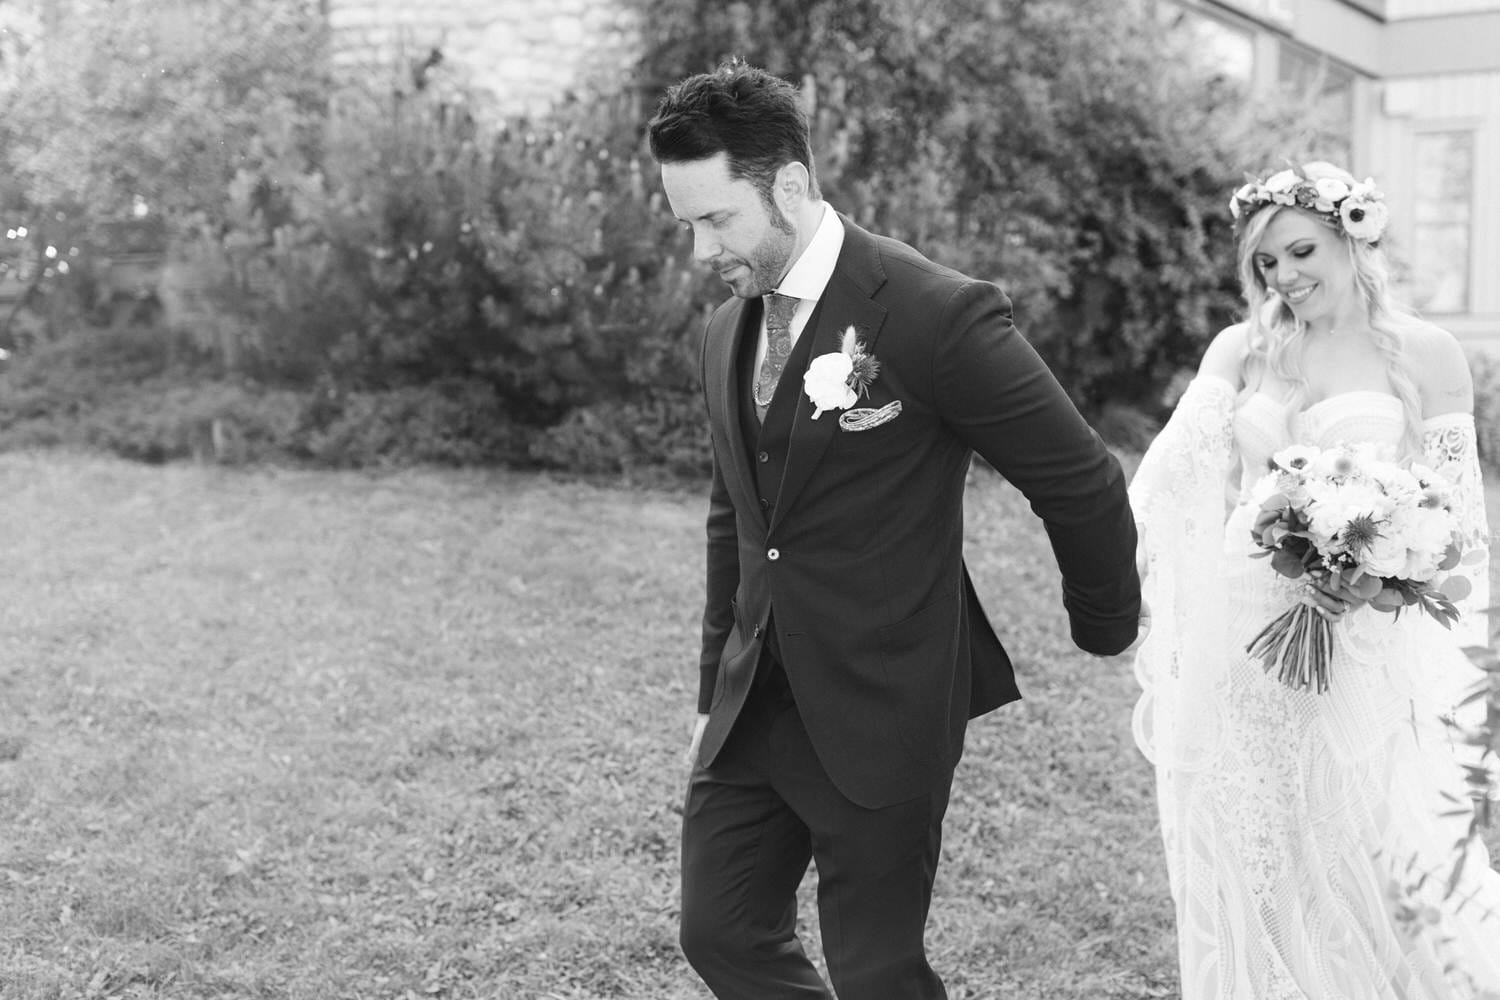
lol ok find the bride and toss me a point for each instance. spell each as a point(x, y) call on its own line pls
point(1310, 836)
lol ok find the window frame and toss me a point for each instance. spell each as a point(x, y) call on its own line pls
point(1425, 130)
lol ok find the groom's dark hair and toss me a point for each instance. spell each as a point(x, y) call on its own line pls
point(753, 117)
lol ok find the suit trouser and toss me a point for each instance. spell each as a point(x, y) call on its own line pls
point(752, 822)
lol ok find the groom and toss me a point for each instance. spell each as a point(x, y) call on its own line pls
point(844, 649)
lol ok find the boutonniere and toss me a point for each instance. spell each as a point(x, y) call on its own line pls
point(836, 380)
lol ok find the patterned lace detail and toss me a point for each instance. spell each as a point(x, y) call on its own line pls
point(1286, 816)
point(1178, 495)
point(1449, 446)
point(1200, 426)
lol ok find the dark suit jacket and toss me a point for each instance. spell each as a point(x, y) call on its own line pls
point(884, 644)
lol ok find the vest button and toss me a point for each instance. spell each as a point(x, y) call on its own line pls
point(765, 504)
point(773, 554)
point(763, 456)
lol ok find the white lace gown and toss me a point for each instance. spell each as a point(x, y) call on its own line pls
point(1298, 826)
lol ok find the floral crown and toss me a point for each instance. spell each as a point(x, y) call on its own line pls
point(1358, 209)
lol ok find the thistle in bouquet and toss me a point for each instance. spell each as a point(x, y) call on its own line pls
point(1352, 523)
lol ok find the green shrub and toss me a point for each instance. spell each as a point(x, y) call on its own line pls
point(663, 430)
point(155, 412)
point(368, 250)
point(73, 374)
point(446, 422)
point(537, 259)
point(141, 393)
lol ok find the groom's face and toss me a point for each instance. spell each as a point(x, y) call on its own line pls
point(733, 229)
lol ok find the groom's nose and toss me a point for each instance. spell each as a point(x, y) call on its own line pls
point(705, 249)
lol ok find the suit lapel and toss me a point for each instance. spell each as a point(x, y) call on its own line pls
point(724, 394)
point(846, 302)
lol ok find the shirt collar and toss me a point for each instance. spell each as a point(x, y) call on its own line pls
point(811, 271)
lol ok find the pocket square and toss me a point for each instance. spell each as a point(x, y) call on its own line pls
point(867, 418)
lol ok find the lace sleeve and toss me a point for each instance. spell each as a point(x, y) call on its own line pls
point(1177, 495)
point(1450, 449)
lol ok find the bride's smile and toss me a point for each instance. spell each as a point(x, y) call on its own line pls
point(1297, 296)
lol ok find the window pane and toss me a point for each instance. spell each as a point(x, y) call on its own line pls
point(1221, 48)
point(1441, 213)
point(1441, 272)
point(1325, 90)
point(1445, 176)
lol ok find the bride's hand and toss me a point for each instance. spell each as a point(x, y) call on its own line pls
point(1143, 628)
point(699, 724)
point(1331, 597)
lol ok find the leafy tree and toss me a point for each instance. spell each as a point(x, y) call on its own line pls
point(367, 243)
point(1068, 149)
point(158, 102)
point(126, 118)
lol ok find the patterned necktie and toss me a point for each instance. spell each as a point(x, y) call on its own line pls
point(779, 310)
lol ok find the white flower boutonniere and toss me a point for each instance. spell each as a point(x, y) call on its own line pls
point(835, 381)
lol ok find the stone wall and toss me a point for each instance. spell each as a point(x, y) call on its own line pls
point(524, 53)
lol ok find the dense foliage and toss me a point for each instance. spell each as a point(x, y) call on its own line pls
point(1071, 150)
point(128, 117)
point(404, 281)
point(409, 279)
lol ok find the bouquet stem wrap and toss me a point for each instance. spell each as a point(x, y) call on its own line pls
point(1298, 645)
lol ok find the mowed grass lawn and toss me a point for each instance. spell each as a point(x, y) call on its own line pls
point(310, 735)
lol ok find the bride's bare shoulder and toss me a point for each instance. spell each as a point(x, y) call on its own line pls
point(1439, 367)
point(1226, 354)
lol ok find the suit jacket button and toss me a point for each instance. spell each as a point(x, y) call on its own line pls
point(763, 456)
point(773, 554)
point(765, 504)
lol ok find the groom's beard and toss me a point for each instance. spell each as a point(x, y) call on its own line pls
point(763, 269)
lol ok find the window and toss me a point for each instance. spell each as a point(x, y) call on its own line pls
point(1280, 12)
point(1222, 48)
point(1441, 221)
point(1326, 89)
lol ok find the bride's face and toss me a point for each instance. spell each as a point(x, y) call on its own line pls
point(1307, 264)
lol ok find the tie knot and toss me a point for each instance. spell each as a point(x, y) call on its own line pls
point(779, 310)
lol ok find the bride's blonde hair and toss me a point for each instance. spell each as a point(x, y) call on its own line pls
point(1276, 335)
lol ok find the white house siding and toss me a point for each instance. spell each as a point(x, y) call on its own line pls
point(526, 54)
point(1448, 103)
point(1395, 9)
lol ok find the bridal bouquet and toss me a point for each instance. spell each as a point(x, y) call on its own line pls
point(1342, 515)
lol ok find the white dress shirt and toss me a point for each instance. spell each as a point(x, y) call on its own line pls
point(808, 277)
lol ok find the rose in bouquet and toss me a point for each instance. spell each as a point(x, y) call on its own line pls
point(1343, 517)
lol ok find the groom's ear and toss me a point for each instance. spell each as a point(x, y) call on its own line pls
point(792, 182)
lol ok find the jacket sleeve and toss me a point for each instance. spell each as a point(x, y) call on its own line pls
point(722, 563)
point(723, 577)
point(999, 396)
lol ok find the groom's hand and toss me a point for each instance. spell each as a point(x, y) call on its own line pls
point(1143, 628)
point(700, 724)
